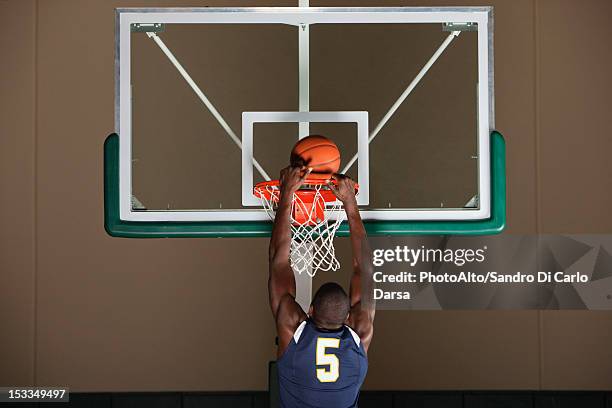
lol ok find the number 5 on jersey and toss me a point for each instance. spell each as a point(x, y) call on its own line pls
point(332, 373)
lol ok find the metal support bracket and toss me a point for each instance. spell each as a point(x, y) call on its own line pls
point(460, 27)
point(147, 27)
point(454, 34)
point(211, 108)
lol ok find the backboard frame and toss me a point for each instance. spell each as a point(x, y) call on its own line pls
point(297, 16)
point(117, 227)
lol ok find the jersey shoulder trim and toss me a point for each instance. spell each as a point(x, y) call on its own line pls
point(355, 336)
point(298, 331)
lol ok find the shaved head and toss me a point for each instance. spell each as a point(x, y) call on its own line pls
point(330, 306)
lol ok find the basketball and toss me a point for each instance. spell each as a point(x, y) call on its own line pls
point(317, 152)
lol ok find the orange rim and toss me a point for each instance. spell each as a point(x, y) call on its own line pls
point(270, 190)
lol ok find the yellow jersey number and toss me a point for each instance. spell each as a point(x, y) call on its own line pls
point(331, 373)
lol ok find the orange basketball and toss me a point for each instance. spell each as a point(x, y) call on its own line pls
point(317, 152)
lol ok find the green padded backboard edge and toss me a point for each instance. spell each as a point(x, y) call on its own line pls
point(130, 229)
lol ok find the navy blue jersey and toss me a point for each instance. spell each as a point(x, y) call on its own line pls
point(322, 369)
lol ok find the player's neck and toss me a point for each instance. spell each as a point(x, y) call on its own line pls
point(323, 326)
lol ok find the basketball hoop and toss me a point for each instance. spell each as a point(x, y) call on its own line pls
point(316, 214)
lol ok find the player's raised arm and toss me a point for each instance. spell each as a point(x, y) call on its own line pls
point(361, 317)
point(281, 282)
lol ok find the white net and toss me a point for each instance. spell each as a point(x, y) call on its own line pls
point(313, 227)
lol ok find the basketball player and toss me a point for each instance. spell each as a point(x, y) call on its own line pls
point(322, 355)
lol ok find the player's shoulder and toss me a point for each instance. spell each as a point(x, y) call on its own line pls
point(289, 314)
point(353, 334)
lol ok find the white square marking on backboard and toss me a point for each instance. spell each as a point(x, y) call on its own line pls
point(358, 117)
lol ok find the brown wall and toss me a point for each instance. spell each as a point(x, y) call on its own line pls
point(82, 309)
